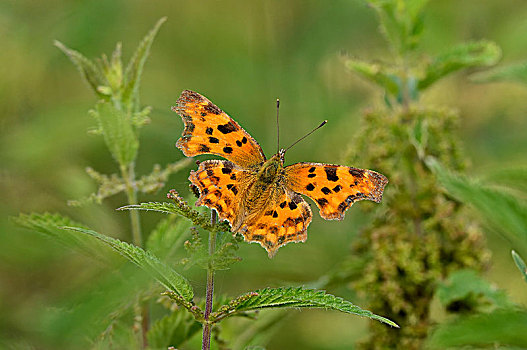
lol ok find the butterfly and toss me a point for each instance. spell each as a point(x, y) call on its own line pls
point(261, 198)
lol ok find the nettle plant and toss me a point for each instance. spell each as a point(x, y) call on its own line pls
point(424, 245)
point(120, 117)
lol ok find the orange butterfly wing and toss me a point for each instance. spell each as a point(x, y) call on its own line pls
point(285, 219)
point(221, 185)
point(210, 130)
point(334, 188)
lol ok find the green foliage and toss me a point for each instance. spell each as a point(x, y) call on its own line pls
point(465, 291)
point(163, 273)
point(513, 73)
point(119, 135)
point(172, 330)
point(132, 75)
point(180, 208)
point(468, 55)
point(502, 328)
point(401, 22)
point(403, 83)
point(88, 70)
point(520, 263)
point(51, 225)
point(422, 235)
point(506, 213)
point(410, 73)
point(292, 297)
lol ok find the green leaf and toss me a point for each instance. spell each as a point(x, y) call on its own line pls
point(503, 327)
point(514, 73)
point(520, 263)
point(135, 67)
point(475, 54)
point(181, 208)
point(377, 73)
point(164, 274)
point(172, 330)
point(401, 22)
point(118, 132)
point(465, 290)
point(88, 70)
point(504, 212)
point(51, 225)
point(292, 297)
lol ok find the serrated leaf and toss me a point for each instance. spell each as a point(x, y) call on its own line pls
point(504, 212)
point(163, 273)
point(475, 54)
point(496, 330)
point(172, 330)
point(514, 73)
point(297, 298)
point(88, 70)
point(520, 263)
point(51, 226)
point(118, 132)
point(182, 209)
point(135, 66)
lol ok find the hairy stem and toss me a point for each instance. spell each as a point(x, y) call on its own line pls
point(210, 286)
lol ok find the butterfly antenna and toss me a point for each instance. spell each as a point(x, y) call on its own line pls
point(306, 135)
point(278, 124)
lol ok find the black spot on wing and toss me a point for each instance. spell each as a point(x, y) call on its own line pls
point(337, 188)
point(213, 140)
point(283, 204)
point(204, 148)
point(310, 187)
point(322, 202)
point(312, 169)
point(239, 143)
point(232, 188)
point(331, 173)
point(325, 190)
point(358, 173)
point(244, 140)
point(292, 205)
point(208, 131)
point(227, 128)
point(311, 175)
point(227, 149)
point(226, 170)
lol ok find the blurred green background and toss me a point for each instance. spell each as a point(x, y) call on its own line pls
point(242, 55)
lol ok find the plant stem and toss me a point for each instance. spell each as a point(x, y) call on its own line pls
point(210, 286)
point(128, 174)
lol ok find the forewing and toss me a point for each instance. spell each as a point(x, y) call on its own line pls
point(221, 186)
point(334, 188)
point(210, 130)
point(284, 218)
